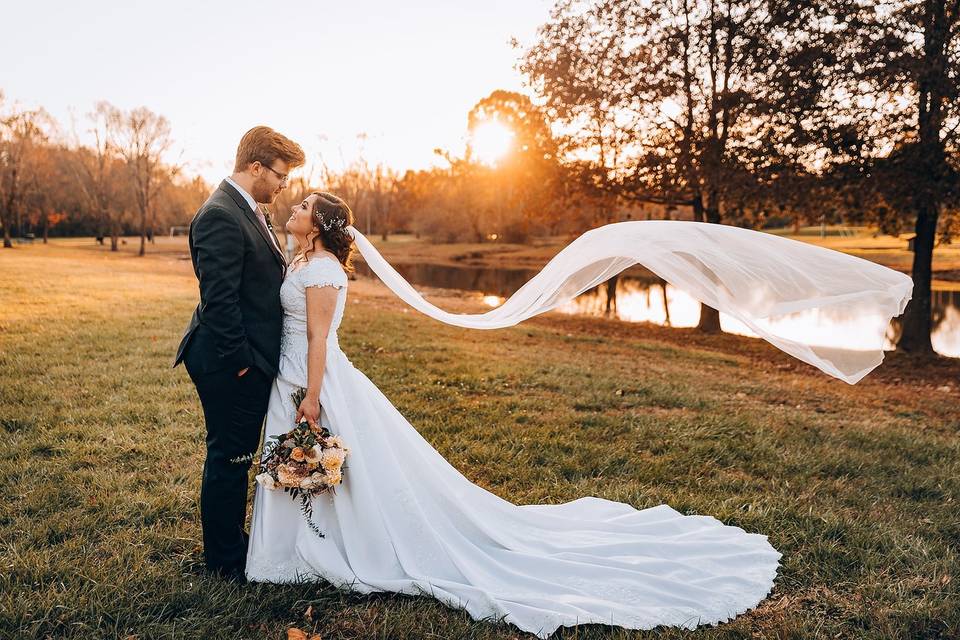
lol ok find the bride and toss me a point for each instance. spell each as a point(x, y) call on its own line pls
point(404, 520)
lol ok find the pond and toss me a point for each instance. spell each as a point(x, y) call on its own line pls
point(636, 299)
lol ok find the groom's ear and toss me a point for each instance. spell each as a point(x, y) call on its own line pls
point(255, 168)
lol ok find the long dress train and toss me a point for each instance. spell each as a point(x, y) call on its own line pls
point(406, 521)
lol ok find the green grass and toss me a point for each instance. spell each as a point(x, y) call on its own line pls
point(858, 487)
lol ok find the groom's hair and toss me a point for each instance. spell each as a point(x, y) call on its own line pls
point(266, 145)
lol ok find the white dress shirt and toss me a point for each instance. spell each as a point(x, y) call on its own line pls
point(256, 209)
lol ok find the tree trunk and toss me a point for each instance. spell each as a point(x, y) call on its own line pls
point(666, 305)
point(698, 209)
point(611, 307)
point(114, 236)
point(915, 337)
point(143, 234)
point(7, 242)
point(710, 317)
point(385, 221)
point(709, 320)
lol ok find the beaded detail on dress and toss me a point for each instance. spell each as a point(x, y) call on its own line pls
point(317, 272)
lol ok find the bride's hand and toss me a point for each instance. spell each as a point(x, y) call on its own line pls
point(309, 410)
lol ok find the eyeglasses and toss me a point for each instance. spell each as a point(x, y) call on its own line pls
point(284, 177)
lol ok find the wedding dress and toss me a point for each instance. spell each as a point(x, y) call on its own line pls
point(404, 520)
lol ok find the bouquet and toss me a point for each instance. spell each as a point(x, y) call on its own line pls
point(305, 462)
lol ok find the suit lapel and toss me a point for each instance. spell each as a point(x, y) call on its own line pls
point(252, 217)
point(275, 242)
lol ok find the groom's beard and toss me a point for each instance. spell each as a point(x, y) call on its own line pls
point(263, 194)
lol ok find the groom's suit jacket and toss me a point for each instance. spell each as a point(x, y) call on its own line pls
point(238, 321)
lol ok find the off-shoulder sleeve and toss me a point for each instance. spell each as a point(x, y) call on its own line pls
point(323, 272)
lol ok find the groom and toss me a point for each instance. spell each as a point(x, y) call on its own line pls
point(231, 348)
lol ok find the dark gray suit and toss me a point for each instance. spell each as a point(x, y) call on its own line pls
point(236, 325)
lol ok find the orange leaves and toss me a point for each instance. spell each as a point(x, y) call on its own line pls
point(296, 634)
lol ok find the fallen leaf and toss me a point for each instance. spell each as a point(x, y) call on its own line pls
point(295, 634)
point(308, 614)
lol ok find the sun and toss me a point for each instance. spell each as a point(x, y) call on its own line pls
point(490, 141)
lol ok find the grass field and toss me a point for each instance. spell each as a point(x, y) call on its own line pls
point(857, 486)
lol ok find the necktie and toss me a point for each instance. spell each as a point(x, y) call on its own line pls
point(263, 222)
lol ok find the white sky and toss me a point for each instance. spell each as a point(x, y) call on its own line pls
point(405, 73)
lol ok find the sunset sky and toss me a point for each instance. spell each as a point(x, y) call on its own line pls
point(404, 73)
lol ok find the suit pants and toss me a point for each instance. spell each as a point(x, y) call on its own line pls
point(233, 409)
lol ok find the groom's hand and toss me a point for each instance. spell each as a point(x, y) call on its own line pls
point(243, 372)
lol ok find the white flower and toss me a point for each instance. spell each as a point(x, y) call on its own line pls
point(314, 453)
point(313, 481)
point(266, 481)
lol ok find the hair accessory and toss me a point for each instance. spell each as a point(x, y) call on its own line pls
point(337, 223)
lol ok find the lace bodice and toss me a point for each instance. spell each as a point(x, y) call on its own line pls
point(317, 272)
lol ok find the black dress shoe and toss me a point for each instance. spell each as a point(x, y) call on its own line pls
point(231, 574)
point(238, 576)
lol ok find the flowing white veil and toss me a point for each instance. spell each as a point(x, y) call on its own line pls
point(824, 307)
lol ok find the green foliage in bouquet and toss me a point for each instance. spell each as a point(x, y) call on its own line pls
point(306, 461)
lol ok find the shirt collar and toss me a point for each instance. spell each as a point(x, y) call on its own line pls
point(246, 196)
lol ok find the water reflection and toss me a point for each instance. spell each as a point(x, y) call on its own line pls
point(651, 300)
point(666, 305)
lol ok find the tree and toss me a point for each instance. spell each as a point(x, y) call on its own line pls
point(177, 200)
point(23, 134)
point(527, 177)
point(902, 129)
point(99, 173)
point(580, 68)
point(43, 195)
point(352, 184)
point(142, 137)
point(418, 197)
point(684, 102)
point(383, 197)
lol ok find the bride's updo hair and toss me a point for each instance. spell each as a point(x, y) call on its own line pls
point(331, 217)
